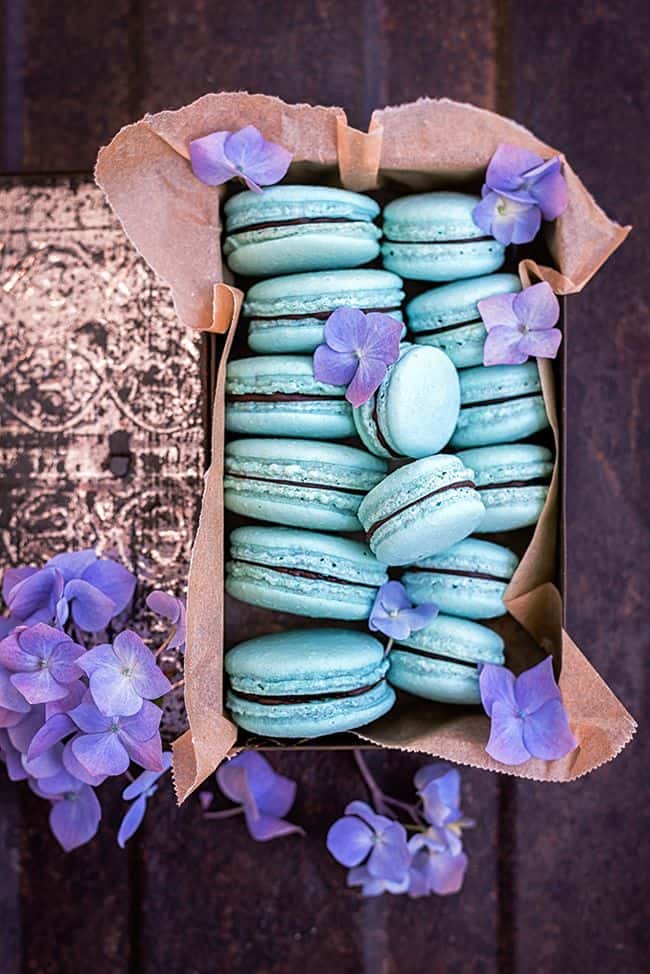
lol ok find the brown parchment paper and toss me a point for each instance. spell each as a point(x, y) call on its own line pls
point(173, 220)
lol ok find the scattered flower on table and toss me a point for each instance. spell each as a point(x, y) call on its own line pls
point(263, 795)
point(395, 615)
point(357, 351)
point(521, 325)
point(138, 792)
point(527, 715)
point(75, 816)
point(520, 190)
point(172, 608)
point(245, 154)
point(362, 837)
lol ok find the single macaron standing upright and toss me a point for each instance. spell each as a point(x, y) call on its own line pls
point(421, 508)
point(304, 572)
point(432, 237)
point(288, 229)
point(440, 662)
point(499, 404)
point(277, 395)
point(469, 579)
point(300, 483)
point(448, 317)
point(512, 481)
point(307, 683)
point(288, 314)
point(415, 410)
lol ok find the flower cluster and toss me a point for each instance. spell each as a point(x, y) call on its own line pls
point(394, 614)
point(70, 717)
point(246, 154)
point(375, 846)
point(521, 325)
point(520, 190)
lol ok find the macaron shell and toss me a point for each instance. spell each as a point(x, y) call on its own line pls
point(509, 508)
point(299, 248)
point(406, 519)
point(442, 262)
point(295, 201)
point(282, 335)
point(499, 422)
point(434, 679)
point(312, 719)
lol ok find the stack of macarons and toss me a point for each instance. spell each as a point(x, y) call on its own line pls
point(334, 498)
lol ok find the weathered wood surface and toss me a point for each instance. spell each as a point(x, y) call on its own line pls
point(556, 875)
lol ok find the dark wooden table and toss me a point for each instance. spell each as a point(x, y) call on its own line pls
point(557, 880)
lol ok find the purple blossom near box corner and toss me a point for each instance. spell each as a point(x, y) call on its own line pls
point(527, 716)
point(138, 792)
point(246, 154)
point(521, 188)
point(172, 608)
point(379, 844)
point(357, 351)
point(394, 614)
point(521, 325)
point(263, 795)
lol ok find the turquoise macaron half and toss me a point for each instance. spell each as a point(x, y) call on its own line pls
point(499, 404)
point(469, 579)
point(304, 572)
point(432, 237)
point(513, 482)
point(415, 410)
point(289, 229)
point(300, 483)
point(421, 508)
point(448, 318)
point(440, 662)
point(277, 395)
point(307, 683)
point(288, 314)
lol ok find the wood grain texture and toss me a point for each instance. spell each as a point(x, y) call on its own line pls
point(580, 877)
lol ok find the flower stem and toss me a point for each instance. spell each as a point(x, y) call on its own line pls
point(225, 813)
point(170, 636)
point(177, 685)
point(376, 794)
point(409, 809)
point(388, 647)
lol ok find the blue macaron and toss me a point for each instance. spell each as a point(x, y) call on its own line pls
point(440, 662)
point(307, 683)
point(288, 229)
point(448, 317)
point(432, 237)
point(288, 314)
point(499, 404)
point(513, 482)
point(300, 483)
point(469, 579)
point(415, 410)
point(277, 395)
point(304, 572)
point(419, 509)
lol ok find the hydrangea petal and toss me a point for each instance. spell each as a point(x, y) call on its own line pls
point(209, 161)
point(52, 731)
point(536, 686)
point(346, 329)
point(146, 779)
point(370, 374)
point(132, 820)
point(383, 337)
point(38, 592)
point(551, 193)
point(546, 732)
point(12, 576)
point(498, 310)
point(39, 686)
point(390, 857)
point(143, 725)
point(74, 695)
point(91, 609)
point(393, 598)
point(514, 222)
point(101, 753)
point(508, 165)
point(72, 564)
point(446, 873)
point(537, 307)
point(113, 580)
point(10, 697)
point(75, 819)
point(503, 347)
point(46, 764)
point(541, 344)
point(334, 368)
point(257, 160)
point(148, 754)
point(164, 604)
point(497, 683)
point(12, 758)
point(349, 840)
point(265, 827)
point(506, 743)
point(77, 770)
point(89, 718)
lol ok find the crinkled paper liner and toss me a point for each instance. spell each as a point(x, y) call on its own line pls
point(173, 220)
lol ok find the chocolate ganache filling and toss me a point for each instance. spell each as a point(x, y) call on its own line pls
point(306, 697)
point(298, 483)
point(280, 397)
point(535, 482)
point(498, 399)
point(458, 572)
point(418, 500)
point(429, 243)
point(303, 573)
point(297, 221)
point(320, 315)
point(456, 324)
point(439, 656)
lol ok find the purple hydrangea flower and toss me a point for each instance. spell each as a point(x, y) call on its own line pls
point(138, 792)
point(121, 676)
point(107, 745)
point(265, 795)
point(244, 155)
point(75, 815)
point(32, 594)
point(95, 589)
point(527, 716)
point(172, 608)
point(363, 837)
point(376, 885)
point(13, 705)
point(520, 189)
point(42, 661)
point(434, 869)
point(438, 786)
point(395, 615)
point(520, 325)
point(357, 351)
